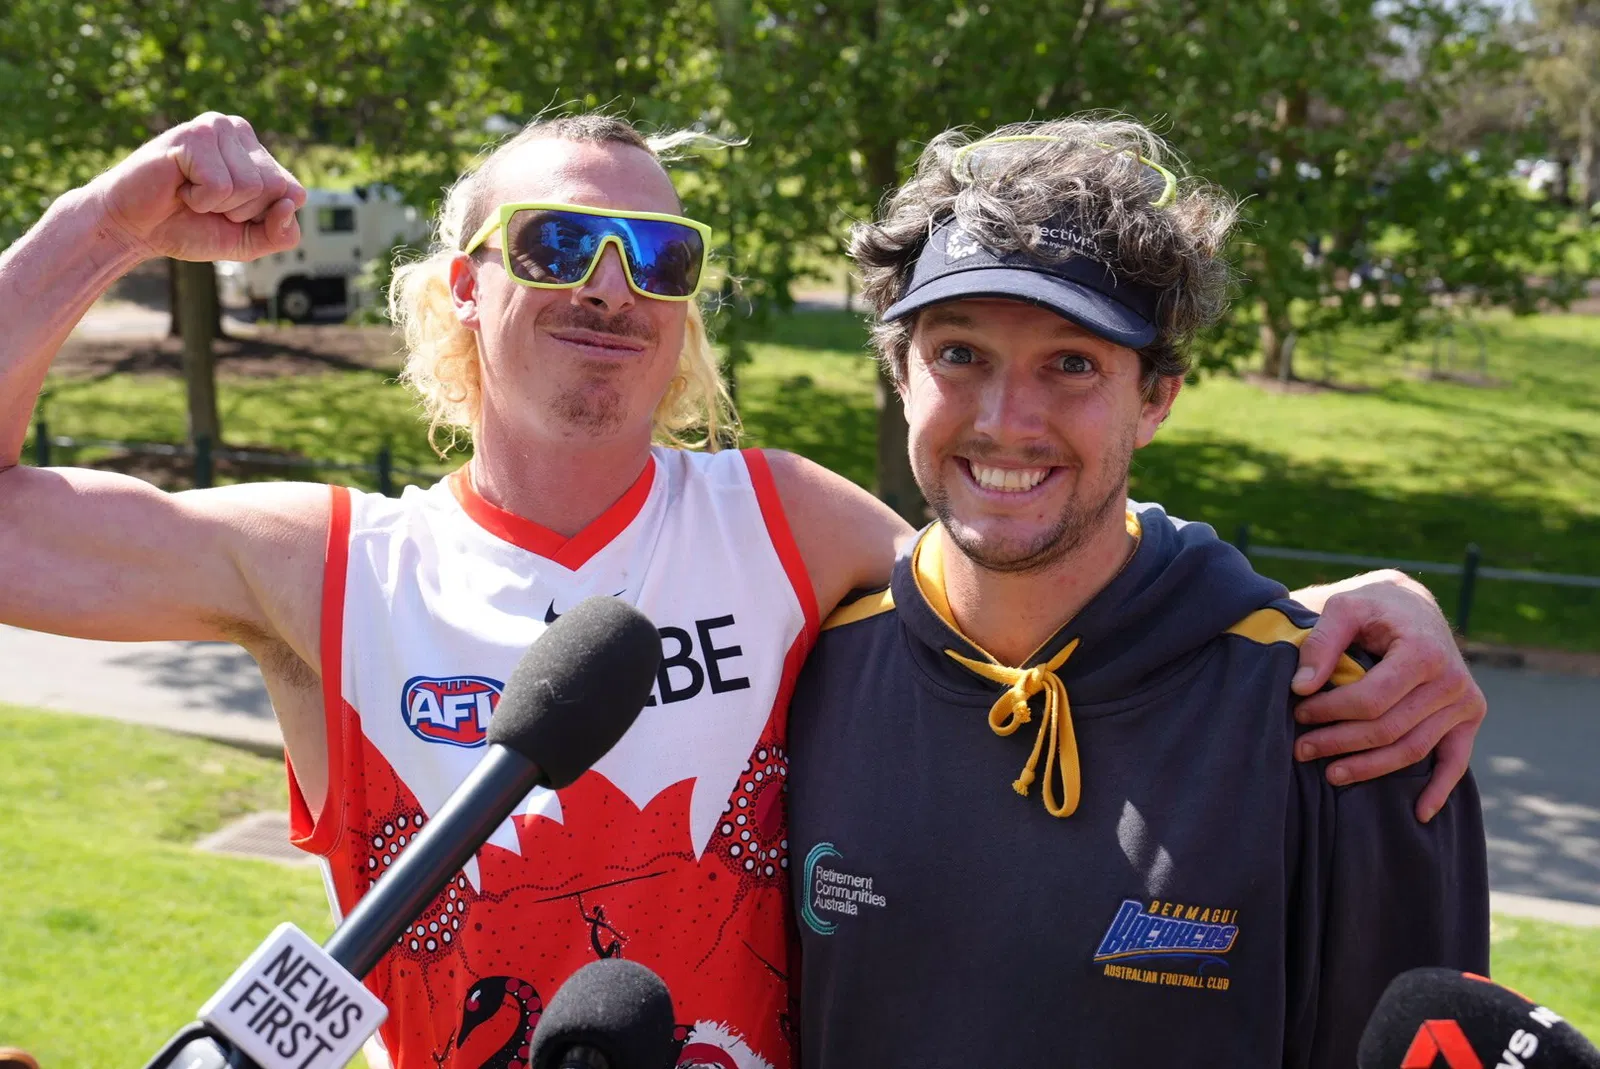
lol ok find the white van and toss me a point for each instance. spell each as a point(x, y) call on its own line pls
point(341, 233)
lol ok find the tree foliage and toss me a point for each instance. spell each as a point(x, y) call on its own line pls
point(1366, 196)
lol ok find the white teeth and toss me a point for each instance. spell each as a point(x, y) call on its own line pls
point(1013, 480)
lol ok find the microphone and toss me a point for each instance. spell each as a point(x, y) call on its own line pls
point(1454, 1020)
point(610, 1014)
point(572, 696)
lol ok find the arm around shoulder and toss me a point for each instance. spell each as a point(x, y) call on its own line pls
point(847, 537)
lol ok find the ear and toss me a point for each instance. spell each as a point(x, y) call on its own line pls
point(464, 289)
point(1155, 411)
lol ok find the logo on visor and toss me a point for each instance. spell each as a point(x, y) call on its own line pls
point(959, 245)
point(453, 710)
point(1067, 238)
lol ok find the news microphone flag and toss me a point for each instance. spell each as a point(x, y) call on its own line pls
point(290, 1003)
point(570, 699)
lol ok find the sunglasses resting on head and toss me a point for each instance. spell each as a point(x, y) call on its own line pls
point(558, 246)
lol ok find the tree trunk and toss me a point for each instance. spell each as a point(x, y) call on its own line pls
point(1277, 344)
point(1588, 158)
point(1562, 192)
point(174, 325)
point(197, 296)
point(175, 317)
point(1277, 329)
point(897, 487)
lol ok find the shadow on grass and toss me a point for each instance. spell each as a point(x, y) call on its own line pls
point(251, 356)
point(1324, 505)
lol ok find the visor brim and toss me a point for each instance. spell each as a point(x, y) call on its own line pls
point(1092, 310)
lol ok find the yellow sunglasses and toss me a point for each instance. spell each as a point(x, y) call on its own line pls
point(558, 246)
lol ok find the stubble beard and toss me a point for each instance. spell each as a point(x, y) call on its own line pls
point(1078, 522)
point(593, 406)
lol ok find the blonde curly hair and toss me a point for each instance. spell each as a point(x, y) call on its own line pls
point(442, 361)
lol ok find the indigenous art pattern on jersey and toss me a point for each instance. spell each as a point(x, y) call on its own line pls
point(672, 851)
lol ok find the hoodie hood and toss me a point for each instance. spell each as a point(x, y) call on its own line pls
point(1182, 588)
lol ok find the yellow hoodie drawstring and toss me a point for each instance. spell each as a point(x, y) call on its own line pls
point(1011, 711)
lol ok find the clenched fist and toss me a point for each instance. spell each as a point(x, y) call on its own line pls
point(204, 190)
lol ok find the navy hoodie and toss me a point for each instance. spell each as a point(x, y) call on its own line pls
point(1210, 901)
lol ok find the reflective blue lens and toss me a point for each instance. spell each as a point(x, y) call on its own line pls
point(557, 247)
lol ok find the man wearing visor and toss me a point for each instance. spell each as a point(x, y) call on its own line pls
point(555, 323)
point(1045, 807)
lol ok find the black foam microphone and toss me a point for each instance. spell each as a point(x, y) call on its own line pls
point(1453, 1020)
point(610, 1014)
point(570, 699)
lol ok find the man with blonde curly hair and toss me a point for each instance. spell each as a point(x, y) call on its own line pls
point(1171, 887)
point(555, 322)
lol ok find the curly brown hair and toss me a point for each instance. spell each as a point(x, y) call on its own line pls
point(1089, 166)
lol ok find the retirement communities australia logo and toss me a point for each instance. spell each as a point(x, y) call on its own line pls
point(1169, 943)
point(832, 892)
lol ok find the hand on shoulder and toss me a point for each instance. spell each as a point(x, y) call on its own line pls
point(1418, 699)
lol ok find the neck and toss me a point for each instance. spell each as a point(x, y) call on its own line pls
point(563, 486)
point(1012, 614)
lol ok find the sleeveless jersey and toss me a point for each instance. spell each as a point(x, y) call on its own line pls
point(672, 851)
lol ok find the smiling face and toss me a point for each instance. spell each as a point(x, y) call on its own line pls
point(585, 363)
point(1023, 425)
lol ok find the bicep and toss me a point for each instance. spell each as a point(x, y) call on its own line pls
point(101, 555)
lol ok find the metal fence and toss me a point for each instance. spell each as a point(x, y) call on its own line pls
point(384, 472)
point(205, 455)
point(1469, 571)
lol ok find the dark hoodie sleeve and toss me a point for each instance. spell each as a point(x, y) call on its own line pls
point(1374, 892)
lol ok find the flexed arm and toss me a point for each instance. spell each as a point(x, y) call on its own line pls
point(205, 190)
point(101, 555)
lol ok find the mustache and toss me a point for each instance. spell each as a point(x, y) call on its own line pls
point(580, 317)
point(1037, 456)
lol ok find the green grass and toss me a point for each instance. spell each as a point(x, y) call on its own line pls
point(1552, 964)
point(117, 930)
point(1414, 468)
point(335, 416)
point(1393, 464)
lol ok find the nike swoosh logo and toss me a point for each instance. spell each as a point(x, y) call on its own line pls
point(551, 616)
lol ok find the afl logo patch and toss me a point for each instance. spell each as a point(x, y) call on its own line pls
point(454, 710)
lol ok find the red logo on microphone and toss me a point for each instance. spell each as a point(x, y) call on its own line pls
point(1437, 1038)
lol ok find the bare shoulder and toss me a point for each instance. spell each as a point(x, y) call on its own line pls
point(847, 537)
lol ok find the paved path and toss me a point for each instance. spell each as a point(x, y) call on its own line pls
point(1537, 758)
point(1537, 761)
point(202, 688)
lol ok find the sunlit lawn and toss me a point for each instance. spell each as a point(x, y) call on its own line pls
point(117, 929)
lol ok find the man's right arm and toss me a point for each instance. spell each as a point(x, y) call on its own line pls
point(101, 555)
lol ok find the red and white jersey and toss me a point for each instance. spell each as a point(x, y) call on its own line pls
point(672, 851)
